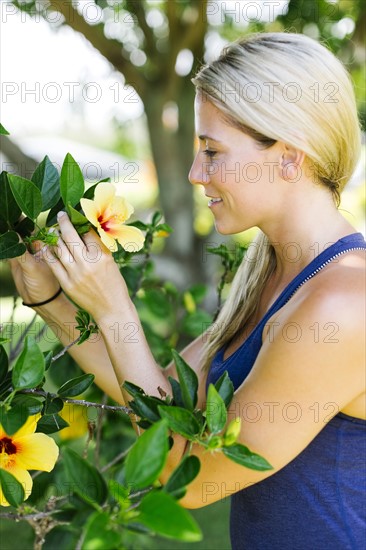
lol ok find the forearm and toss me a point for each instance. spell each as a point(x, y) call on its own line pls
point(92, 355)
point(129, 351)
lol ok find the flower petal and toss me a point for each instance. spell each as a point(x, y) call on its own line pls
point(23, 477)
point(36, 452)
point(103, 196)
point(131, 238)
point(122, 208)
point(90, 210)
point(29, 427)
point(107, 240)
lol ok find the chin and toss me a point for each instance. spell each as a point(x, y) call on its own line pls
point(227, 230)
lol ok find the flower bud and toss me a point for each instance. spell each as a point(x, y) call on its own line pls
point(232, 432)
point(189, 302)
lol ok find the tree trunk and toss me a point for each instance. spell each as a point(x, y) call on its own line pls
point(173, 153)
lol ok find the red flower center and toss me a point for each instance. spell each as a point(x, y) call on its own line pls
point(7, 446)
point(104, 223)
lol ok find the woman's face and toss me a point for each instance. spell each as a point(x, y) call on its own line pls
point(238, 176)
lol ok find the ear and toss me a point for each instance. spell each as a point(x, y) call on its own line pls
point(291, 163)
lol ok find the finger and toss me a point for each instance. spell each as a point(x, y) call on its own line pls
point(94, 244)
point(63, 253)
point(55, 265)
point(70, 236)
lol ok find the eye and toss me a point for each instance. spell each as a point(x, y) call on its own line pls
point(209, 153)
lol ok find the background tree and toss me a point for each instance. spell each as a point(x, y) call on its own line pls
point(143, 41)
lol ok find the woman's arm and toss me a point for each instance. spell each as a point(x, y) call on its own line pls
point(296, 385)
point(35, 282)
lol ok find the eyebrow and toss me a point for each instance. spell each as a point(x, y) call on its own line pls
point(204, 137)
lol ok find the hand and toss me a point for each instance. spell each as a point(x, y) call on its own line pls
point(33, 278)
point(86, 270)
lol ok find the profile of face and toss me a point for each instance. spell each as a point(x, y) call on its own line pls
point(243, 181)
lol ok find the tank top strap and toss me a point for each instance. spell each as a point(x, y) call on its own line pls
point(355, 241)
point(241, 361)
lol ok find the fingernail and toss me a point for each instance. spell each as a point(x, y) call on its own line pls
point(60, 214)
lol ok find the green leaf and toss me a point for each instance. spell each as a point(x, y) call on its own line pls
point(164, 227)
point(216, 414)
point(71, 181)
point(132, 277)
point(52, 214)
point(196, 323)
point(98, 534)
point(146, 407)
point(48, 355)
point(77, 218)
point(4, 364)
point(9, 209)
point(29, 369)
point(24, 227)
point(13, 419)
point(132, 389)
point(198, 292)
point(180, 421)
point(188, 381)
point(30, 404)
point(157, 302)
point(53, 405)
point(185, 472)
point(76, 386)
point(27, 195)
point(161, 513)
point(10, 247)
point(243, 456)
point(147, 457)
point(139, 224)
point(85, 480)
point(50, 424)
point(89, 193)
point(225, 388)
point(177, 392)
point(3, 132)
point(47, 180)
point(12, 488)
point(157, 216)
point(6, 384)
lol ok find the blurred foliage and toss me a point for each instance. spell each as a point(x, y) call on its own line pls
point(157, 45)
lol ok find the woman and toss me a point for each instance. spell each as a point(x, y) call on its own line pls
point(278, 140)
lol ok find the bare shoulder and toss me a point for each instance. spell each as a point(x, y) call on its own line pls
point(336, 294)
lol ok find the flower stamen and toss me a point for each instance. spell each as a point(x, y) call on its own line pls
point(7, 446)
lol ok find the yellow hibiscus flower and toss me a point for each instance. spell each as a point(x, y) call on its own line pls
point(108, 213)
point(26, 450)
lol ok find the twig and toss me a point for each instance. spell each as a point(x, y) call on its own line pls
point(115, 460)
point(36, 516)
point(65, 349)
point(114, 408)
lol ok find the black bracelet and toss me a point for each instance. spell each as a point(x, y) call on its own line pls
point(45, 301)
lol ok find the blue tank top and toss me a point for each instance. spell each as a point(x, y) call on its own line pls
point(317, 501)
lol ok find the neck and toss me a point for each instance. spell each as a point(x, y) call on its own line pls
point(303, 232)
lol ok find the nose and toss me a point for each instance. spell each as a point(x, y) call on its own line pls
point(199, 174)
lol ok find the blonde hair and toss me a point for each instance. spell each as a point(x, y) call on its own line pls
point(281, 87)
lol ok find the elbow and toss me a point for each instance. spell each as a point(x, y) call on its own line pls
point(197, 497)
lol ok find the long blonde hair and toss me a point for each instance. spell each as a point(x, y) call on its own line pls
point(280, 87)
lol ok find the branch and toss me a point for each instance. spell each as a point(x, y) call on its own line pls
point(190, 36)
point(114, 408)
point(138, 9)
point(110, 48)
